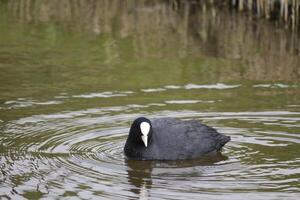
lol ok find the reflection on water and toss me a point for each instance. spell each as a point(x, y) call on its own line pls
point(140, 172)
point(75, 74)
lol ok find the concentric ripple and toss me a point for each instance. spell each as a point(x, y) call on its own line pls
point(80, 153)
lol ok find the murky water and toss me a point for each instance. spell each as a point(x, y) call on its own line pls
point(74, 74)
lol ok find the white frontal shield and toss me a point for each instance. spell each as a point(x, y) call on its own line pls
point(145, 128)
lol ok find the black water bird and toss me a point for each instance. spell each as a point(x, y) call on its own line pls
point(171, 139)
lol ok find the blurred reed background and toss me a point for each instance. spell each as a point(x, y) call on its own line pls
point(284, 12)
point(215, 28)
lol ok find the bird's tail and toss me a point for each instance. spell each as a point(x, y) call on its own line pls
point(223, 139)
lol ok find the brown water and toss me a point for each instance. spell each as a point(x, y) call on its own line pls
point(74, 74)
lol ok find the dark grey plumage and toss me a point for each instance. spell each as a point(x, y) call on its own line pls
point(173, 139)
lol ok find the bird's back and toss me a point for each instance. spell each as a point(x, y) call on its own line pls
point(176, 139)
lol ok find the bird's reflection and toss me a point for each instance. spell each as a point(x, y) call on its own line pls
point(139, 176)
point(140, 172)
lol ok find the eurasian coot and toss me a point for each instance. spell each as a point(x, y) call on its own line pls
point(171, 139)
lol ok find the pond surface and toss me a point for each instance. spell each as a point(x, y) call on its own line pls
point(75, 74)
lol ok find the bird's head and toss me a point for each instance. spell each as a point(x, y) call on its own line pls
point(141, 131)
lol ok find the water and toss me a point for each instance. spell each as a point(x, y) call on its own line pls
point(74, 74)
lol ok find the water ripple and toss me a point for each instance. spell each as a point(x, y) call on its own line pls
point(68, 151)
point(23, 103)
point(107, 94)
